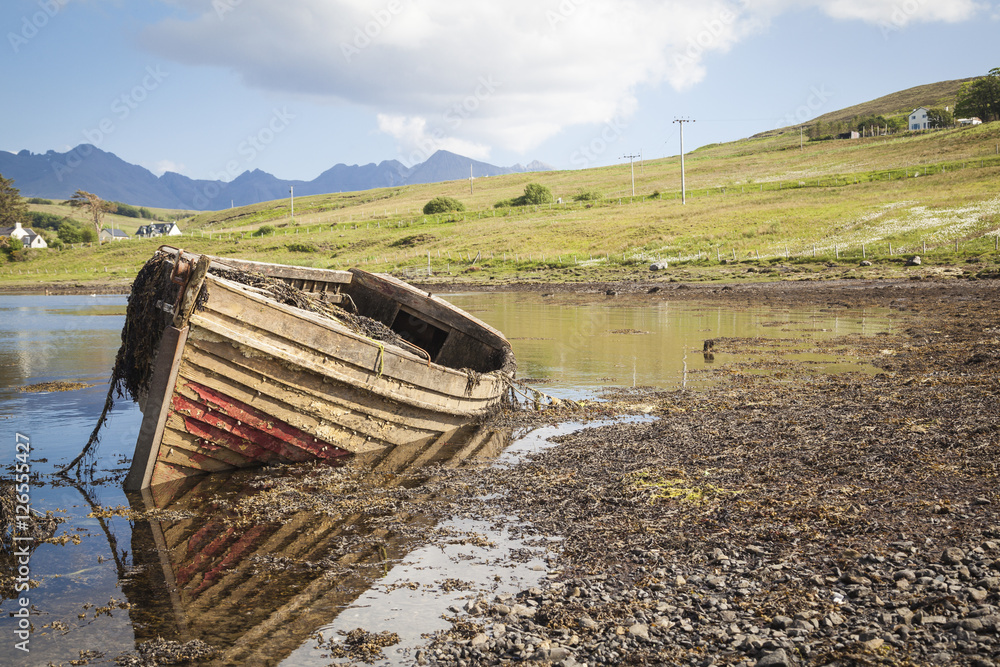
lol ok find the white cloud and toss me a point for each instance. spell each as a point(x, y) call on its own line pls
point(417, 142)
point(163, 166)
point(486, 73)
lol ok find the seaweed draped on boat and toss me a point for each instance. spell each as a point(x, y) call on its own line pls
point(239, 363)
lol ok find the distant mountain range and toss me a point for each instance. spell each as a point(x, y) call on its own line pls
point(55, 175)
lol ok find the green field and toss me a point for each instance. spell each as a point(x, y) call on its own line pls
point(759, 202)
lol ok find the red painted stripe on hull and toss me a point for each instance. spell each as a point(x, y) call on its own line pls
point(234, 425)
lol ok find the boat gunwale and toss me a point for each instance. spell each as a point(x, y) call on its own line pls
point(338, 328)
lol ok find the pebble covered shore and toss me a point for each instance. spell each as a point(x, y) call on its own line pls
point(786, 518)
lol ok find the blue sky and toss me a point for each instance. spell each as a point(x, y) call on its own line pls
point(210, 88)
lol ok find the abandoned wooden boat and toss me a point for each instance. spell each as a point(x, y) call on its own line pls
point(258, 363)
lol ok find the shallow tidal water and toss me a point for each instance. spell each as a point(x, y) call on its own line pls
point(111, 581)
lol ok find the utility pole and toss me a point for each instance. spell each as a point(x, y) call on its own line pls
point(680, 122)
point(291, 192)
point(630, 159)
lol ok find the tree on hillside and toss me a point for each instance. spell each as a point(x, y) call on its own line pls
point(980, 98)
point(12, 207)
point(94, 206)
point(535, 194)
point(938, 117)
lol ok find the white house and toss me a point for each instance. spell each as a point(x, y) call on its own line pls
point(158, 229)
point(918, 119)
point(28, 237)
point(113, 235)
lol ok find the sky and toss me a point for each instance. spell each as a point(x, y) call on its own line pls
point(211, 88)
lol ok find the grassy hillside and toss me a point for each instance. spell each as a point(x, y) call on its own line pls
point(941, 94)
point(762, 201)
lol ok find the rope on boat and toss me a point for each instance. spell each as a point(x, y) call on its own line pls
point(380, 362)
point(538, 399)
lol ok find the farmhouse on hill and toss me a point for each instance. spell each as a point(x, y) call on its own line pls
point(158, 229)
point(113, 235)
point(28, 237)
point(918, 119)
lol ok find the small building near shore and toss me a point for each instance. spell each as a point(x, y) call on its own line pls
point(158, 229)
point(28, 237)
point(918, 119)
point(113, 235)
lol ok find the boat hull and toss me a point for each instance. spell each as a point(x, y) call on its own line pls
point(250, 381)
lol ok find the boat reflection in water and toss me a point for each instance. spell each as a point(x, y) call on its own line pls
point(229, 559)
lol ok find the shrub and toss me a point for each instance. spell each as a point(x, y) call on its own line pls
point(264, 230)
point(71, 231)
point(534, 194)
point(301, 247)
point(443, 205)
point(589, 195)
point(39, 200)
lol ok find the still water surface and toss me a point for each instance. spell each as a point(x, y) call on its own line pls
point(117, 582)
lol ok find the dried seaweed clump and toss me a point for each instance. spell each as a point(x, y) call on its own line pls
point(163, 652)
point(359, 644)
point(288, 295)
point(144, 323)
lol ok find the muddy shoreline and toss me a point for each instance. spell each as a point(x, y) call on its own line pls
point(786, 518)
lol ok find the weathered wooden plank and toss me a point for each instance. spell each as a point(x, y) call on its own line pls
point(282, 271)
point(182, 457)
point(154, 414)
point(307, 392)
point(325, 429)
point(440, 312)
point(167, 471)
point(384, 385)
point(178, 434)
point(301, 332)
point(249, 423)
